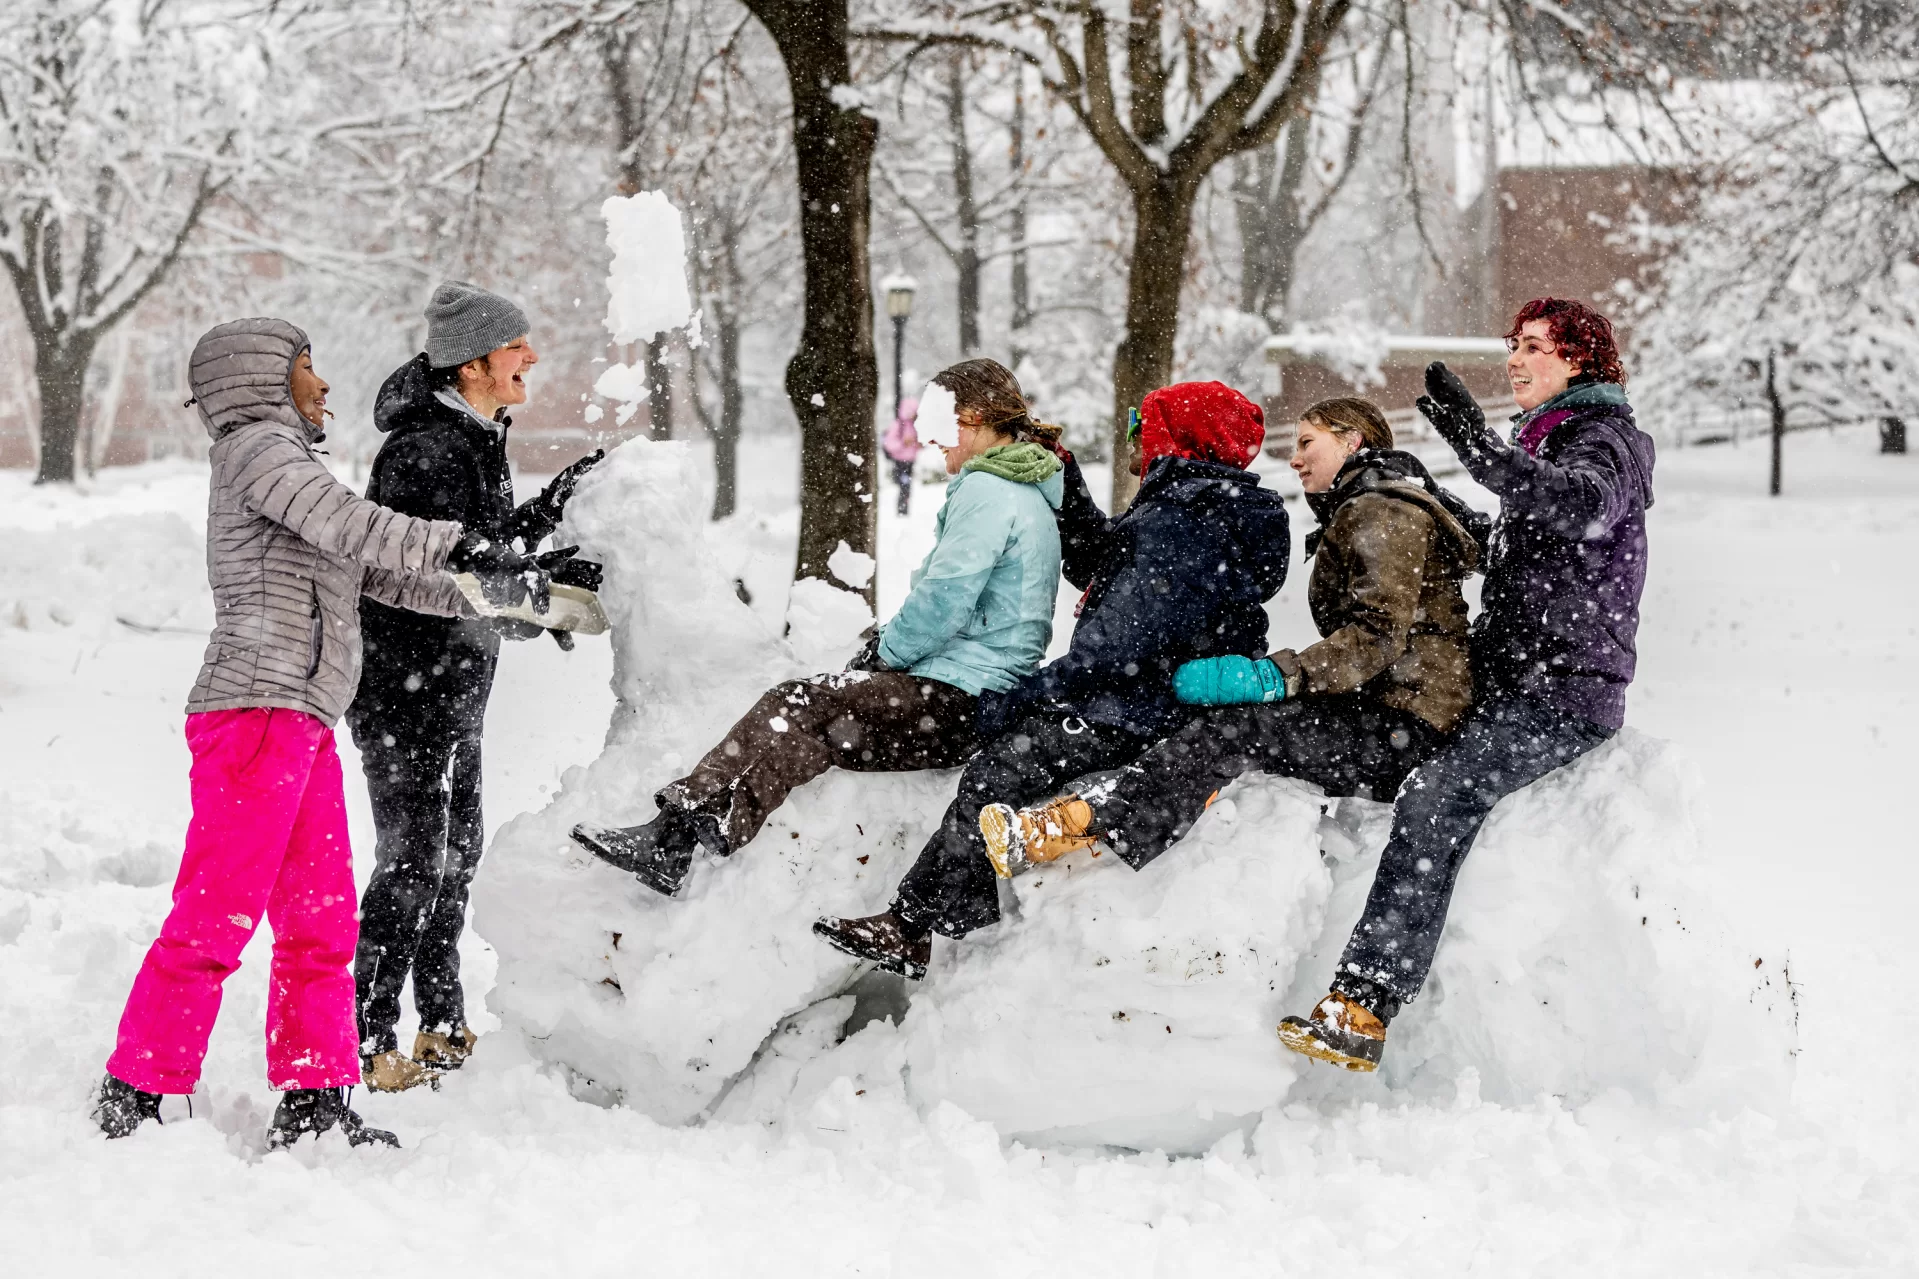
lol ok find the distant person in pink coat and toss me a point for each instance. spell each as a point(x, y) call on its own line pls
point(902, 444)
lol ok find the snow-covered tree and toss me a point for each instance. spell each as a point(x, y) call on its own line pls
point(1802, 250)
point(122, 125)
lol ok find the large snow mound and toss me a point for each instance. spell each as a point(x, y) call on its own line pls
point(145, 571)
point(1583, 956)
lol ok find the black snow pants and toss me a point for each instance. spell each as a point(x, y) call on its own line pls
point(1348, 744)
point(429, 836)
point(1507, 743)
point(951, 889)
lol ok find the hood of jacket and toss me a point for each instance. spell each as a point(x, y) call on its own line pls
point(242, 372)
point(1401, 474)
point(408, 402)
point(1230, 500)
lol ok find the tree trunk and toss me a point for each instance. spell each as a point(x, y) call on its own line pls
point(1271, 225)
point(966, 207)
point(659, 405)
point(1016, 221)
point(726, 440)
point(1778, 408)
point(832, 379)
point(60, 369)
point(1163, 220)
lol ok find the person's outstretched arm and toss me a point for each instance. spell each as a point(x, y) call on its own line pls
point(1084, 530)
point(1583, 493)
point(282, 481)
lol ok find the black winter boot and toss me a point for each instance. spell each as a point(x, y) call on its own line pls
point(886, 939)
point(120, 1107)
point(318, 1110)
point(658, 853)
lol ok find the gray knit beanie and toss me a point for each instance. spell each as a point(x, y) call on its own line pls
point(464, 322)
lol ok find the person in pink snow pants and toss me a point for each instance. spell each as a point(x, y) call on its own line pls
point(289, 551)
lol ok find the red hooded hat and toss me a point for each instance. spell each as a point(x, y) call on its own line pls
point(1206, 421)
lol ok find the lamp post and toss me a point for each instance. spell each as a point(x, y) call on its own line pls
point(899, 289)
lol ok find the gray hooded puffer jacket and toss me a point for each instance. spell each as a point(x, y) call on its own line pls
point(290, 548)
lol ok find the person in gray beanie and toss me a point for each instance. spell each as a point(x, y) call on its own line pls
point(421, 706)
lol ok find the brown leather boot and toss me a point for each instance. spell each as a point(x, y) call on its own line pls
point(1340, 1030)
point(884, 938)
point(394, 1071)
point(444, 1051)
point(1035, 836)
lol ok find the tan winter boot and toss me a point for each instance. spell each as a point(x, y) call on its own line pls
point(1035, 836)
point(444, 1051)
point(394, 1071)
point(1339, 1031)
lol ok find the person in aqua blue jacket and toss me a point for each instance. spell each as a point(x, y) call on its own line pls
point(978, 617)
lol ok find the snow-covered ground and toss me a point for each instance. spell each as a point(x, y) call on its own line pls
point(1771, 661)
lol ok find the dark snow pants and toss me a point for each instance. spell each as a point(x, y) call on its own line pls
point(1346, 743)
point(429, 836)
point(864, 721)
point(951, 889)
point(1506, 744)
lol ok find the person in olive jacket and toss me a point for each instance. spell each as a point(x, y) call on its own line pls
point(421, 706)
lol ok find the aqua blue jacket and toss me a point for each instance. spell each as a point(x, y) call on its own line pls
point(980, 613)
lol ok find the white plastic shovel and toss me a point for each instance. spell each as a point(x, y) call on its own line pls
point(571, 608)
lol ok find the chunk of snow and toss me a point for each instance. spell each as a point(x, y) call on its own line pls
point(625, 383)
point(646, 284)
point(592, 413)
point(854, 568)
point(824, 623)
point(938, 421)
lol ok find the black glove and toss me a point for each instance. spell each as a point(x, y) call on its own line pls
point(541, 515)
point(506, 576)
point(1450, 407)
point(868, 658)
point(567, 571)
point(564, 639)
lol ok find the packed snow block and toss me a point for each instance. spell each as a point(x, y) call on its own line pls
point(1583, 956)
point(1128, 1008)
point(1584, 952)
point(660, 1002)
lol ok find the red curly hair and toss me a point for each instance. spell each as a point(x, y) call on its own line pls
point(1583, 336)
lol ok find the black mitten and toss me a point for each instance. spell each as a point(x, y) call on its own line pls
point(506, 577)
point(568, 571)
point(1450, 407)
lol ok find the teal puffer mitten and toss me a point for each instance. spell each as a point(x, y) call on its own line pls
point(1228, 681)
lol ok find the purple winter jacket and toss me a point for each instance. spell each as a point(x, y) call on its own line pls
point(1559, 617)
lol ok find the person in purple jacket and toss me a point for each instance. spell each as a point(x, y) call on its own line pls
point(1552, 649)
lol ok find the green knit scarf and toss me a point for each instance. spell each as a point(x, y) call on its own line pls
point(1024, 463)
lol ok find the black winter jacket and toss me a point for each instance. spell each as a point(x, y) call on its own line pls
point(1184, 573)
point(431, 676)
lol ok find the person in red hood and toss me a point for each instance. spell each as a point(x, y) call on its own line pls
point(1184, 573)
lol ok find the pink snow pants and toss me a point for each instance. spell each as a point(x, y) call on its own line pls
point(268, 837)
